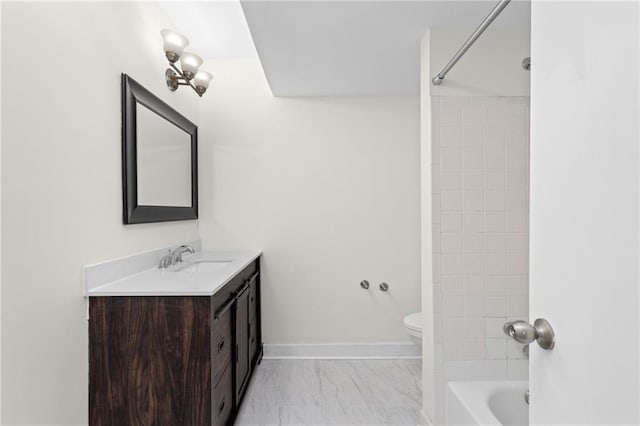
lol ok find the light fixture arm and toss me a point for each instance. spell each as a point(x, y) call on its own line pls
point(176, 78)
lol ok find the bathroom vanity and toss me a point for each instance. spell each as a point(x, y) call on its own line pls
point(175, 347)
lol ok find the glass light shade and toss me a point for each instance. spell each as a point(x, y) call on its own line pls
point(202, 79)
point(190, 62)
point(174, 42)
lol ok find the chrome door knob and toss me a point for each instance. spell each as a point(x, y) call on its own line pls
point(525, 333)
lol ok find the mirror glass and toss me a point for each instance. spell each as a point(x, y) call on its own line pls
point(164, 161)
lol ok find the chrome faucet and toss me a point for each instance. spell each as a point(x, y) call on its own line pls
point(175, 256)
point(178, 252)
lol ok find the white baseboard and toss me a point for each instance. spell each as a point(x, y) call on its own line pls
point(387, 350)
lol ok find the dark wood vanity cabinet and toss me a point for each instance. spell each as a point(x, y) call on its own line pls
point(174, 360)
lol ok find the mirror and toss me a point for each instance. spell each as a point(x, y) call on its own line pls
point(159, 159)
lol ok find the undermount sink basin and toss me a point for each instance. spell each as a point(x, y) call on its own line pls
point(205, 266)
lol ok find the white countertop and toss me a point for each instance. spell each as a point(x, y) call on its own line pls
point(177, 281)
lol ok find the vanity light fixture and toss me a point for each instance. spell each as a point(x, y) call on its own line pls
point(189, 75)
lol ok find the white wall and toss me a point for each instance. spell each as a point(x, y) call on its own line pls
point(491, 67)
point(329, 189)
point(584, 211)
point(61, 187)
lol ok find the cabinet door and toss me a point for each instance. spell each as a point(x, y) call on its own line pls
point(242, 341)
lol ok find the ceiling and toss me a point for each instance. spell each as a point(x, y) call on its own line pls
point(357, 48)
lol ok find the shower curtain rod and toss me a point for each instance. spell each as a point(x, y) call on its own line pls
point(437, 80)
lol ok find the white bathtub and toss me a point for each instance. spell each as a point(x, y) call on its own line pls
point(487, 403)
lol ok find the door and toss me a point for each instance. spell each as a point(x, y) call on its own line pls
point(584, 211)
point(242, 340)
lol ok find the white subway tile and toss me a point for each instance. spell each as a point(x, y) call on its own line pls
point(493, 328)
point(474, 349)
point(473, 242)
point(452, 285)
point(451, 242)
point(516, 136)
point(451, 264)
point(496, 348)
point(518, 369)
point(494, 179)
point(495, 116)
point(516, 116)
point(450, 157)
point(495, 285)
point(473, 179)
point(495, 243)
point(450, 136)
point(516, 179)
point(517, 242)
point(473, 200)
point(518, 306)
point(454, 370)
point(494, 200)
point(517, 156)
point(473, 158)
point(452, 306)
point(517, 200)
point(450, 115)
point(473, 306)
point(494, 157)
point(496, 369)
point(472, 115)
point(457, 101)
point(451, 222)
point(496, 263)
point(517, 285)
point(473, 285)
point(494, 135)
point(473, 221)
point(475, 370)
point(495, 222)
point(474, 329)
point(451, 200)
point(517, 263)
point(452, 329)
point(473, 264)
point(453, 350)
point(496, 306)
point(451, 180)
point(516, 222)
point(472, 136)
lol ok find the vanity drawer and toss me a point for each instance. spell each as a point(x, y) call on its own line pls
point(222, 343)
point(223, 399)
point(253, 299)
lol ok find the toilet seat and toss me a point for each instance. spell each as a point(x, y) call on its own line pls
point(413, 322)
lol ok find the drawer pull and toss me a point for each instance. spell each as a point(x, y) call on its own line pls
point(221, 407)
point(220, 345)
point(224, 308)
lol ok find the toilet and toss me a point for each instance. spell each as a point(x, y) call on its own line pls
point(413, 324)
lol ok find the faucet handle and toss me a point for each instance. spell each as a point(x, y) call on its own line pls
point(166, 261)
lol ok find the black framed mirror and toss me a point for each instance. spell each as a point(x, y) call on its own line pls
point(159, 159)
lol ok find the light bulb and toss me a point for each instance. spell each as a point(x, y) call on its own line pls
point(174, 44)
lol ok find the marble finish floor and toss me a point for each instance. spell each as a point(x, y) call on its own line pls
point(333, 392)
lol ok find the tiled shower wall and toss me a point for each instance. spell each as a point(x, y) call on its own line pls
point(480, 213)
